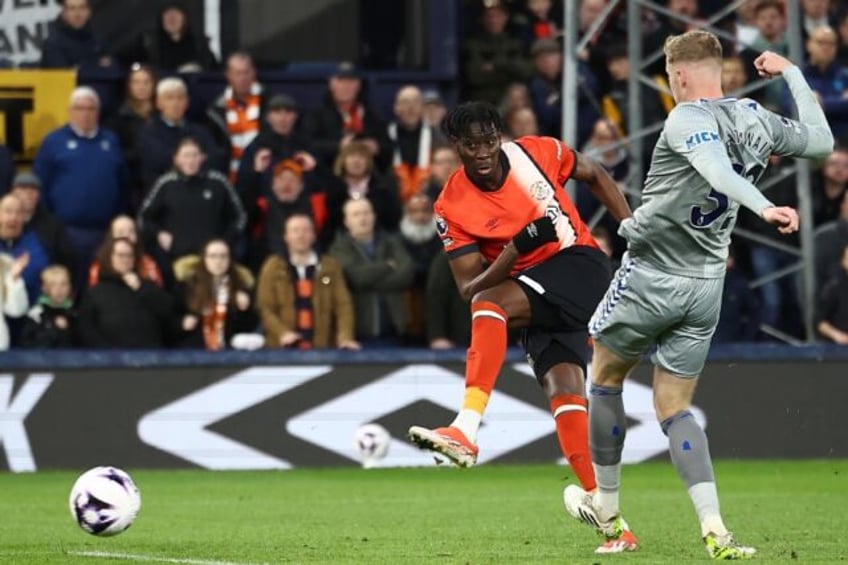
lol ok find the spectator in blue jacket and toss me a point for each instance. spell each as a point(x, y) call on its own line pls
point(50, 231)
point(71, 42)
point(7, 169)
point(158, 140)
point(83, 175)
point(15, 242)
point(828, 79)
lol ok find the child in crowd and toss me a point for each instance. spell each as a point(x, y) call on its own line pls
point(51, 322)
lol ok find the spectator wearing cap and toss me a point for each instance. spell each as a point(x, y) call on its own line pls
point(7, 168)
point(49, 230)
point(356, 177)
point(172, 46)
point(343, 117)
point(435, 109)
point(237, 113)
point(71, 41)
point(278, 140)
point(546, 91)
point(159, 138)
point(302, 296)
point(15, 241)
point(189, 206)
point(286, 198)
point(492, 59)
point(413, 139)
point(378, 270)
point(83, 175)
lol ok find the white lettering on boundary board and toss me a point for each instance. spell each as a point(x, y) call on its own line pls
point(23, 28)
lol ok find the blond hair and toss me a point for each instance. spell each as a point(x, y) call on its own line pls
point(693, 47)
point(55, 269)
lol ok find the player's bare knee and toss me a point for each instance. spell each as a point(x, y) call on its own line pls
point(490, 295)
point(608, 369)
point(510, 299)
point(669, 405)
point(608, 374)
point(672, 394)
point(565, 378)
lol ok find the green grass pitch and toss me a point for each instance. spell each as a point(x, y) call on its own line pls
point(791, 511)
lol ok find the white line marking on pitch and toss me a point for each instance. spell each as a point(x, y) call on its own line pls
point(152, 558)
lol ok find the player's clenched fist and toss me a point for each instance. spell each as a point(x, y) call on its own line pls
point(535, 234)
point(770, 64)
point(784, 217)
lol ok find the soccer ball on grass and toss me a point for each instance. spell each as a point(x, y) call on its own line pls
point(104, 501)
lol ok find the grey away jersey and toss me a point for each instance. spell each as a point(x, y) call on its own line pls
point(683, 225)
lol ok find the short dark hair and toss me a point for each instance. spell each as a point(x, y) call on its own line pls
point(766, 4)
point(457, 122)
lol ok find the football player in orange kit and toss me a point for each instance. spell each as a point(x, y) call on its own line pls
point(521, 254)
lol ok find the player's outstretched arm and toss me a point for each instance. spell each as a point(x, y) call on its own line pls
point(601, 185)
point(472, 276)
point(819, 141)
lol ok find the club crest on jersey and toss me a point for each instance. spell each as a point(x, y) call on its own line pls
point(441, 226)
point(540, 190)
point(553, 212)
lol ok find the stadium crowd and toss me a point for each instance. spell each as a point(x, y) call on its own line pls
point(263, 223)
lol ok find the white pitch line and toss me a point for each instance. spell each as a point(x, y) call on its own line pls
point(153, 558)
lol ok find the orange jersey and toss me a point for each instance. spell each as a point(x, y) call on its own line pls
point(472, 220)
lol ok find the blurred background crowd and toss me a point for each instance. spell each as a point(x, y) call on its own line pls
point(199, 206)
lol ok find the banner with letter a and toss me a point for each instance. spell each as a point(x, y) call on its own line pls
point(23, 28)
point(32, 104)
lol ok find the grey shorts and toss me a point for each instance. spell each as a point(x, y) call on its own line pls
point(644, 307)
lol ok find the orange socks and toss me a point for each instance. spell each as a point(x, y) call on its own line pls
point(572, 424)
point(486, 354)
point(483, 365)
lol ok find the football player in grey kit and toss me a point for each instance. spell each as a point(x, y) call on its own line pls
point(668, 290)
